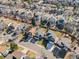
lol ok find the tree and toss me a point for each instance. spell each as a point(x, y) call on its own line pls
point(1, 57)
point(13, 46)
point(33, 22)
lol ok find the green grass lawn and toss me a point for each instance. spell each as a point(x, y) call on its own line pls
point(1, 57)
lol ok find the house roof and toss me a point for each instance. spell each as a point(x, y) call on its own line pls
point(18, 54)
point(69, 27)
point(52, 33)
point(40, 31)
point(22, 26)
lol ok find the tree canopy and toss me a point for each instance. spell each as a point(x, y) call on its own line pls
point(13, 46)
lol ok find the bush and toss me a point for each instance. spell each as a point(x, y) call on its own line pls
point(13, 46)
point(1, 57)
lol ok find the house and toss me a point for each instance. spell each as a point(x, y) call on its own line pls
point(77, 28)
point(1, 11)
point(33, 6)
point(40, 32)
point(49, 40)
point(37, 20)
point(58, 50)
point(64, 41)
point(54, 1)
point(27, 36)
point(27, 5)
point(52, 21)
point(48, 1)
point(45, 42)
point(53, 10)
point(76, 2)
point(49, 45)
point(60, 24)
point(22, 15)
point(21, 27)
point(69, 27)
point(15, 14)
point(36, 38)
point(50, 35)
point(44, 21)
point(20, 55)
point(45, 1)
point(29, 16)
point(60, 11)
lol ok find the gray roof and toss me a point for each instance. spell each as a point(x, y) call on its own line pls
point(52, 20)
point(69, 27)
point(22, 26)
